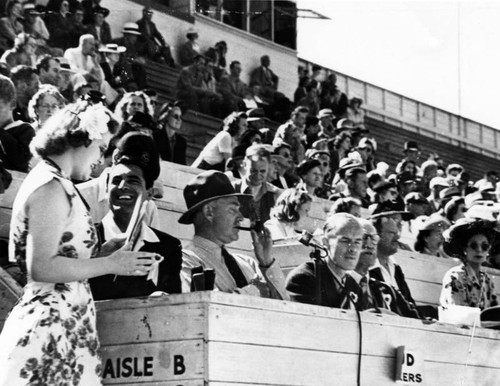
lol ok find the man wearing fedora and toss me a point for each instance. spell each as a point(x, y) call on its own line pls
point(151, 41)
point(213, 208)
point(99, 27)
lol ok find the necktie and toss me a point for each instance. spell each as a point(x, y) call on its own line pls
point(365, 296)
point(234, 269)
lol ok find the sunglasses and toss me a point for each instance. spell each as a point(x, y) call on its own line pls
point(484, 246)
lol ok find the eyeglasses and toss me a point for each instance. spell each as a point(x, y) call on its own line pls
point(484, 246)
point(373, 238)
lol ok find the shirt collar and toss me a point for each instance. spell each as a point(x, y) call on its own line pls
point(111, 231)
point(356, 276)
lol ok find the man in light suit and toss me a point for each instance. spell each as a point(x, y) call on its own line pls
point(84, 57)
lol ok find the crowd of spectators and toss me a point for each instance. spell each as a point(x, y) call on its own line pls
point(322, 150)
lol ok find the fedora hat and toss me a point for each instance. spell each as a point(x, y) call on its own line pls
point(388, 208)
point(131, 28)
point(112, 49)
point(205, 187)
point(103, 11)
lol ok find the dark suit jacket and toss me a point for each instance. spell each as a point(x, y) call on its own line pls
point(260, 76)
point(15, 140)
point(398, 304)
point(376, 273)
point(163, 144)
point(153, 32)
point(301, 286)
point(169, 280)
point(105, 35)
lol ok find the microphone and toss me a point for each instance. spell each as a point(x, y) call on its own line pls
point(306, 238)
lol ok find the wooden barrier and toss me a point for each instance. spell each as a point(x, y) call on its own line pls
point(10, 291)
point(212, 338)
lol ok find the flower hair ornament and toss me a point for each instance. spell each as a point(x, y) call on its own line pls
point(94, 120)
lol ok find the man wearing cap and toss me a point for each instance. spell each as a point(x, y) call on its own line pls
point(416, 204)
point(129, 179)
point(232, 88)
point(436, 185)
point(213, 208)
point(342, 240)
point(254, 172)
point(99, 27)
point(411, 150)
point(151, 40)
point(292, 131)
point(326, 129)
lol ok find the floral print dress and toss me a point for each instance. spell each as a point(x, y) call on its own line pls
point(462, 287)
point(50, 336)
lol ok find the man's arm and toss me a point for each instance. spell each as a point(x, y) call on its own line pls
point(301, 285)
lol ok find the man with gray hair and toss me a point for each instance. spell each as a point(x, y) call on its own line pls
point(84, 58)
point(342, 242)
point(15, 136)
point(214, 210)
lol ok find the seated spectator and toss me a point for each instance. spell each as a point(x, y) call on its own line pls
point(455, 209)
point(11, 25)
point(129, 179)
point(386, 269)
point(253, 172)
point(23, 52)
point(355, 114)
point(116, 72)
point(494, 256)
point(311, 131)
point(191, 89)
point(453, 170)
point(88, 7)
point(189, 50)
point(349, 205)
point(467, 284)
point(99, 28)
point(412, 153)
point(436, 185)
point(430, 237)
point(154, 46)
point(304, 80)
point(292, 131)
point(323, 157)
point(310, 100)
point(84, 58)
point(289, 214)
point(76, 28)
point(131, 103)
point(232, 88)
point(265, 78)
point(171, 144)
point(311, 176)
point(25, 81)
point(407, 183)
point(252, 99)
point(213, 101)
point(216, 153)
point(395, 211)
point(357, 186)
point(342, 238)
point(374, 293)
point(49, 70)
point(59, 23)
point(367, 148)
point(15, 136)
point(332, 98)
point(384, 191)
point(326, 129)
point(284, 167)
point(45, 103)
point(213, 209)
point(68, 75)
point(35, 26)
point(416, 204)
point(142, 123)
point(220, 51)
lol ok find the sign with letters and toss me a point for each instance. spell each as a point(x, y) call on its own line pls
point(409, 366)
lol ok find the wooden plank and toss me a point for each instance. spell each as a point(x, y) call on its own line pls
point(140, 363)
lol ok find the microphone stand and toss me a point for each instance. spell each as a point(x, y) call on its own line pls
point(316, 256)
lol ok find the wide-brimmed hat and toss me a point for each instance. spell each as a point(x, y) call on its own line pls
point(64, 64)
point(457, 236)
point(490, 317)
point(411, 145)
point(112, 49)
point(256, 114)
point(191, 31)
point(389, 208)
point(415, 198)
point(306, 166)
point(383, 185)
point(30, 9)
point(205, 187)
point(344, 125)
point(131, 28)
point(325, 113)
point(434, 222)
point(365, 141)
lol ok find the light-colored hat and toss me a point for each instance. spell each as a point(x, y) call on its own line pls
point(112, 49)
point(131, 28)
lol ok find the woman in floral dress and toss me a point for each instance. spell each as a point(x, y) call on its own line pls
point(50, 336)
point(467, 284)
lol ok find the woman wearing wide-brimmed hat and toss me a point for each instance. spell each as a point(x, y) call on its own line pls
point(467, 284)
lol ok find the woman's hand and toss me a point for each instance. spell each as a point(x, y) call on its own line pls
point(113, 245)
point(128, 263)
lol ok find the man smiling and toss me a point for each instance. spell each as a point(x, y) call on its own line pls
point(129, 179)
point(343, 239)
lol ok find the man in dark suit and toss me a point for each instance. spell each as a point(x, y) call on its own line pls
point(153, 44)
point(136, 167)
point(342, 239)
point(170, 143)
